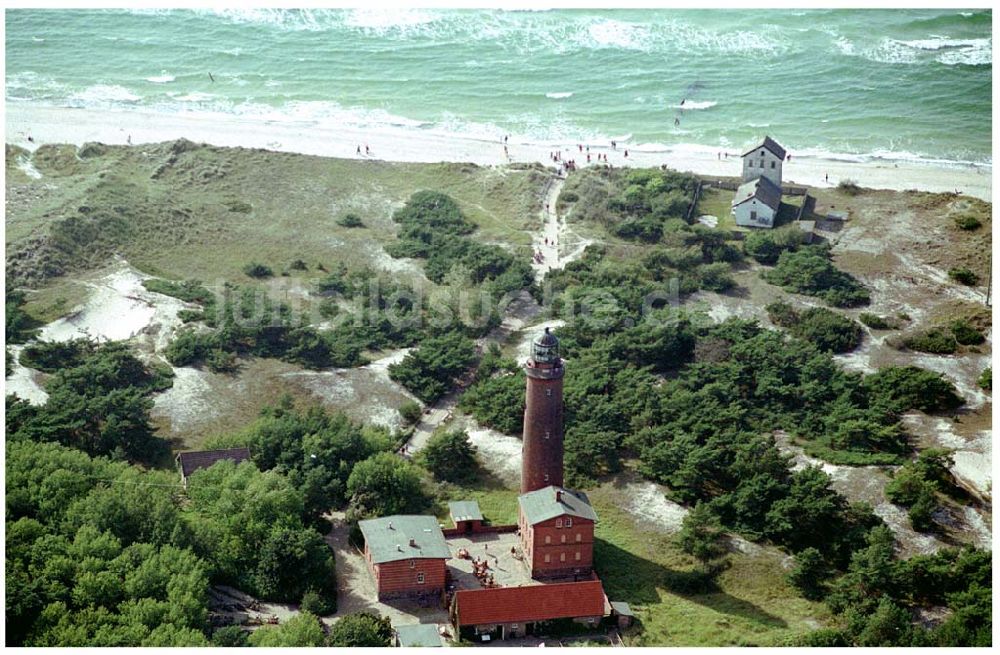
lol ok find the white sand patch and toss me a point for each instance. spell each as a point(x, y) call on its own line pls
point(23, 381)
point(910, 542)
point(28, 168)
point(978, 528)
point(498, 452)
point(120, 308)
point(963, 371)
point(974, 469)
point(860, 359)
point(382, 364)
point(709, 220)
point(529, 334)
point(720, 307)
point(648, 502)
point(187, 403)
point(383, 261)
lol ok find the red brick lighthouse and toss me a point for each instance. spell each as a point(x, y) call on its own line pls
point(542, 446)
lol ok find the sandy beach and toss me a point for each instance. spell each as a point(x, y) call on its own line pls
point(78, 126)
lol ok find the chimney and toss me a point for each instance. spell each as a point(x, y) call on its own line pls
point(413, 543)
point(399, 548)
point(390, 526)
point(558, 496)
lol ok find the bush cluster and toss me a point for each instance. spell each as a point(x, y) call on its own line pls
point(809, 271)
point(828, 330)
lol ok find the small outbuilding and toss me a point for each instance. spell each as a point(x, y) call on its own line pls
point(622, 613)
point(420, 635)
point(756, 203)
point(190, 461)
point(406, 555)
point(465, 515)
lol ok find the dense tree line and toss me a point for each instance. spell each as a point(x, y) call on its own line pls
point(314, 449)
point(103, 553)
point(98, 400)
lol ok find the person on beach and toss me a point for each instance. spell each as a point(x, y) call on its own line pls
point(210, 77)
point(588, 157)
point(580, 147)
point(677, 121)
point(129, 139)
point(359, 150)
point(683, 101)
point(827, 177)
point(626, 153)
point(614, 144)
point(367, 151)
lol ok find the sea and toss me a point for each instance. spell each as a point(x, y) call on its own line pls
point(859, 85)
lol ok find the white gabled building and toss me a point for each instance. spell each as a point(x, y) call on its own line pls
point(756, 203)
point(764, 161)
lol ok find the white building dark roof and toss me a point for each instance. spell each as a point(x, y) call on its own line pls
point(761, 189)
point(771, 145)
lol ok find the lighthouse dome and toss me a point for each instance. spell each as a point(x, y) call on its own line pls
point(545, 349)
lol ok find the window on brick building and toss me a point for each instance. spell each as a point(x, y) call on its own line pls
point(413, 563)
point(569, 522)
point(579, 537)
point(577, 556)
point(562, 557)
point(547, 558)
point(548, 392)
point(420, 578)
point(558, 523)
point(548, 539)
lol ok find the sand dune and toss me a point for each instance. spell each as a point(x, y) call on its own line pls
point(70, 125)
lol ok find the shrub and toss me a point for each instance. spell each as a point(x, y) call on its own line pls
point(350, 220)
point(360, 630)
point(767, 245)
point(965, 333)
point(221, 361)
point(429, 370)
point(967, 222)
point(828, 330)
point(809, 573)
point(985, 380)
point(850, 187)
point(810, 272)
point(254, 269)
point(411, 412)
point(964, 276)
point(898, 389)
point(318, 604)
point(298, 265)
point(450, 456)
point(938, 341)
point(230, 636)
point(239, 207)
point(876, 322)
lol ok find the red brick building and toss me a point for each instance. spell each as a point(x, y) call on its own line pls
point(406, 556)
point(557, 532)
point(514, 611)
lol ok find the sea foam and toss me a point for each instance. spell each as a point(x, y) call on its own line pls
point(161, 79)
point(558, 95)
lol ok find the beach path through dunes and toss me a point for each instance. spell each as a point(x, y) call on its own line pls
point(546, 242)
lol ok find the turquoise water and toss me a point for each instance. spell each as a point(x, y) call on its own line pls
point(895, 84)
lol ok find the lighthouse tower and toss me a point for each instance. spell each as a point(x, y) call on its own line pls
point(542, 449)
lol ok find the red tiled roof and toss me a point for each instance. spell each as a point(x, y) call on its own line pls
point(563, 600)
point(192, 460)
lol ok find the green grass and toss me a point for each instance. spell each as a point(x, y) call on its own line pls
point(184, 225)
point(718, 203)
point(752, 606)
